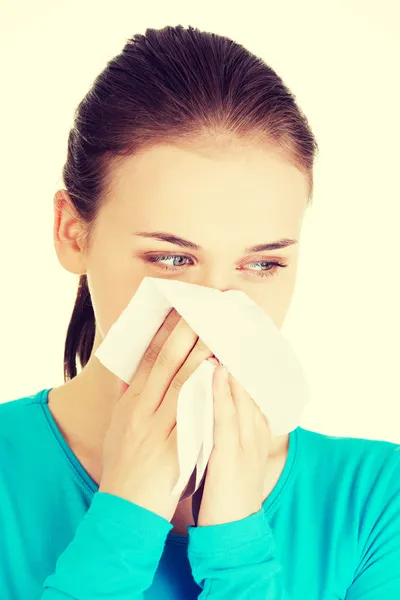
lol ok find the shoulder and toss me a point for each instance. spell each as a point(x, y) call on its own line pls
point(12, 411)
point(342, 448)
point(18, 418)
point(367, 468)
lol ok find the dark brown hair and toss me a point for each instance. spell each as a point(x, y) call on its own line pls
point(171, 85)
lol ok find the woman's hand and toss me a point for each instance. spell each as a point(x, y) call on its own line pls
point(140, 451)
point(234, 482)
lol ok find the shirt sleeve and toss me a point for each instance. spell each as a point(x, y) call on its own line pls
point(114, 554)
point(378, 574)
point(236, 560)
point(239, 559)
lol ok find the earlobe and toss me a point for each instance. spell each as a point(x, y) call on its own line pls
point(67, 232)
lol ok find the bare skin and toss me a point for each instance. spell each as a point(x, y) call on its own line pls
point(222, 201)
point(70, 425)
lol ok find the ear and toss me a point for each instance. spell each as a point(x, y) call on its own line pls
point(67, 234)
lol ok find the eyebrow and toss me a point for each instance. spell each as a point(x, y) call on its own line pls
point(178, 241)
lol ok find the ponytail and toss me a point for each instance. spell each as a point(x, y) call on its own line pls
point(81, 331)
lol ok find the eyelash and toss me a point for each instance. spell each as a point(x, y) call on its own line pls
point(266, 273)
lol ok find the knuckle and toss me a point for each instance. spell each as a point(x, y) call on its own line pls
point(150, 356)
point(130, 401)
point(165, 359)
point(176, 384)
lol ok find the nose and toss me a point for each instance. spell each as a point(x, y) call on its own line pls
point(213, 280)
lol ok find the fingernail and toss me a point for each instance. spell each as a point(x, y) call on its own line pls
point(213, 361)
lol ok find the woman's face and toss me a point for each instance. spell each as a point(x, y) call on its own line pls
point(221, 204)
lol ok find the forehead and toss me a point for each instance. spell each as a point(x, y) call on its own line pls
point(237, 186)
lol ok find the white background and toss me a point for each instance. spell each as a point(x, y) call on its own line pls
point(341, 60)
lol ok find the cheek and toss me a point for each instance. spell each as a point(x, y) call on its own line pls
point(274, 297)
point(281, 303)
point(111, 290)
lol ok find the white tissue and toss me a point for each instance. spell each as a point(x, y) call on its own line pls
point(240, 334)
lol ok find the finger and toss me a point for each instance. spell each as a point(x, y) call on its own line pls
point(246, 415)
point(169, 360)
point(123, 387)
point(169, 391)
point(152, 352)
point(225, 417)
point(263, 430)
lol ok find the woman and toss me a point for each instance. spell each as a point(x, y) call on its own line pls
point(188, 159)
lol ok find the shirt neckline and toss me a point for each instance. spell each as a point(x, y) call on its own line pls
point(269, 505)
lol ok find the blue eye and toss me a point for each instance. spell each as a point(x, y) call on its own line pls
point(272, 266)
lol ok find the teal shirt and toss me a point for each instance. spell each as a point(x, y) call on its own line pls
point(329, 530)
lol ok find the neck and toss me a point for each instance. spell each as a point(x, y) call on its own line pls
point(83, 406)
